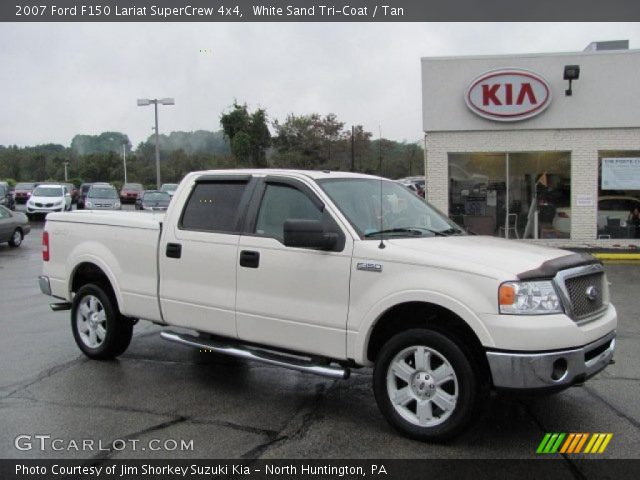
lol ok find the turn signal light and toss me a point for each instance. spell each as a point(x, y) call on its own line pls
point(45, 246)
point(507, 294)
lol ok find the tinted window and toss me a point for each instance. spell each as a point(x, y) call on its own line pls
point(102, 192)
point(213, 207)
point(25, 186)
point(48, 192)
point(281, 203)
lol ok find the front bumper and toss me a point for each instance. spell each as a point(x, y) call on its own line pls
point(37, 210)
point(550, 370)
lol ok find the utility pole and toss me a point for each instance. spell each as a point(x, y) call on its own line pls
point(143, 102)
point(124, 160)
point(353, 149)
point(66, 175)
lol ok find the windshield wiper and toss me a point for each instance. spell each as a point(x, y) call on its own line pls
point(411, 230)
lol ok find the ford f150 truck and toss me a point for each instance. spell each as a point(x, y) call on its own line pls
point(327, 271)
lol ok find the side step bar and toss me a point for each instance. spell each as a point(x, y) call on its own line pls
point(258, 355)
point(58, 307)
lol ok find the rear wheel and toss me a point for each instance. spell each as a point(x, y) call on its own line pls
point(16, 238)
point(99, 329)
point(425, 385)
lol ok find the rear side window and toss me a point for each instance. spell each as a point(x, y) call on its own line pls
point(213, 207)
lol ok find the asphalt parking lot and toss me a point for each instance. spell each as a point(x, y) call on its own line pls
point(235, 409)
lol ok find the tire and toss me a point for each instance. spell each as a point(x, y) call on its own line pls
point(16, 238)
point(98, 327)
point(424, 407)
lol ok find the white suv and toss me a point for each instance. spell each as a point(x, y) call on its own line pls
point(48, 198)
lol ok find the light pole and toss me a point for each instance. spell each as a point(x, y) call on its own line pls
point(66, 176)
point(143, 102)
point(124, 161)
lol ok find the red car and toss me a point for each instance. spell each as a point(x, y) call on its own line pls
point(130, 192)
point(23, 191)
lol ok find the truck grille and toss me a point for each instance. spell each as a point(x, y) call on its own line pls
point(586, 294)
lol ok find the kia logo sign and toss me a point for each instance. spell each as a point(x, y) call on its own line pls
point(508, 95)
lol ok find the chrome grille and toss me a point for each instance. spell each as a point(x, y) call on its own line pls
point(579, 289)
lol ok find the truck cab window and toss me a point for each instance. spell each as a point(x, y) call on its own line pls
point(213, 207)
point(281, 203)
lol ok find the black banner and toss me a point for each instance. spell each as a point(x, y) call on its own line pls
point(543, 469)
point(316, 11)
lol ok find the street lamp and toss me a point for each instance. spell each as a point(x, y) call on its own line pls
point(66, 176)
point(124, 160)
point(143, 102)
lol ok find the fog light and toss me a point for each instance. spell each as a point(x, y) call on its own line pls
point(559, 369)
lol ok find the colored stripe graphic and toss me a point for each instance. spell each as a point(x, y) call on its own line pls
point(573, 443)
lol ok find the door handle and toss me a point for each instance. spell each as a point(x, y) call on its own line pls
point(249, 259)
point(174, 250)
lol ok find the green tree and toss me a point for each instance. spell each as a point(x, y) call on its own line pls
point(248, 134)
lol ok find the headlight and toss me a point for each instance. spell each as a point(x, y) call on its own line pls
point(117, 205)
point(87, 204)
point(529, 298)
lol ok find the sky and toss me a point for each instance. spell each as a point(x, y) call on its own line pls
point(63, 79)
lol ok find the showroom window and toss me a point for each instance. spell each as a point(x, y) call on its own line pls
point(618, 194)
point(511, 195)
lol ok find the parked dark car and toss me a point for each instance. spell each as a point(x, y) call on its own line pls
point(153, 200)
point(13, 227)
point(131, 192)
point(23, 191)
point(6, 199)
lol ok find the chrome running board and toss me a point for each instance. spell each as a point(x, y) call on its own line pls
point(259, 355)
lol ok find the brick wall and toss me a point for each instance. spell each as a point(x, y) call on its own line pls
point(583, 145)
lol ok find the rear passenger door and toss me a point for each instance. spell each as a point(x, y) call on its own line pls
point(290, 297)
point(198, 255)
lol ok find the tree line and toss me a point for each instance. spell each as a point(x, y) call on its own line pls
point(245, 140)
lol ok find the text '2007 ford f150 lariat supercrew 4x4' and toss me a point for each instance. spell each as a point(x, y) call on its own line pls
point(327, 271)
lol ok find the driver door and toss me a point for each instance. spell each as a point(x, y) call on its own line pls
point(295, 298)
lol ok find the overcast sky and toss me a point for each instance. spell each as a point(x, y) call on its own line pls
point(58, 80)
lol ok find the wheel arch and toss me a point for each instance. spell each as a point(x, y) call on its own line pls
point(93, 271)
point(423, 314)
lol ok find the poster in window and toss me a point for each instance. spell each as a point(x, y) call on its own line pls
point(620, 174)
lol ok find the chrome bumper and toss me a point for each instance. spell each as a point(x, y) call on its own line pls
point(550, 370)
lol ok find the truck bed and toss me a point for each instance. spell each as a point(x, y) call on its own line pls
point(123, 244)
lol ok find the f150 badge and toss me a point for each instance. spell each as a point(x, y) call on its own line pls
point(369, 267)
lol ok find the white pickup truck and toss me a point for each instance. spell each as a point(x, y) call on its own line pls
point(326, 271)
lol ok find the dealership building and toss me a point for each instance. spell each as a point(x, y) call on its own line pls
point(543, 147)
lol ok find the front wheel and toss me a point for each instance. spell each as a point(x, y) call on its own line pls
point(425, 385)
point(16, 238)
point(98, 327)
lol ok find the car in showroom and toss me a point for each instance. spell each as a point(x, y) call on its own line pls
point(47, 198)
point(13, 227)
point(22, 192)
point(102, 196)
point(170, 188)
point(153, 200)
point(6, 199)
point(131, 192)
point(613, 212)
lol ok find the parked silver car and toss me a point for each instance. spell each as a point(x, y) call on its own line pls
point(13, 227)
point(102, 197)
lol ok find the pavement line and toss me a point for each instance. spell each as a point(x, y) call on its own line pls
point(617, 256)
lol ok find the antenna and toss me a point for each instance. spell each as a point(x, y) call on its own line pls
point(381, 245)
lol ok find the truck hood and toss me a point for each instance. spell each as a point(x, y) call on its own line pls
point(483, 255)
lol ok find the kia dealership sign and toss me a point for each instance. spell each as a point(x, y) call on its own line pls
point(508, 95)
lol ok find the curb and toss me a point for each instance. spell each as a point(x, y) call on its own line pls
point(617, 256)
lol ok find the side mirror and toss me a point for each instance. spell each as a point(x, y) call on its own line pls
point(308, 234)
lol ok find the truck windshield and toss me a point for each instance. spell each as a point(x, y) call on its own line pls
point(47, 192)
point(397, 212)
point(102, 192)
